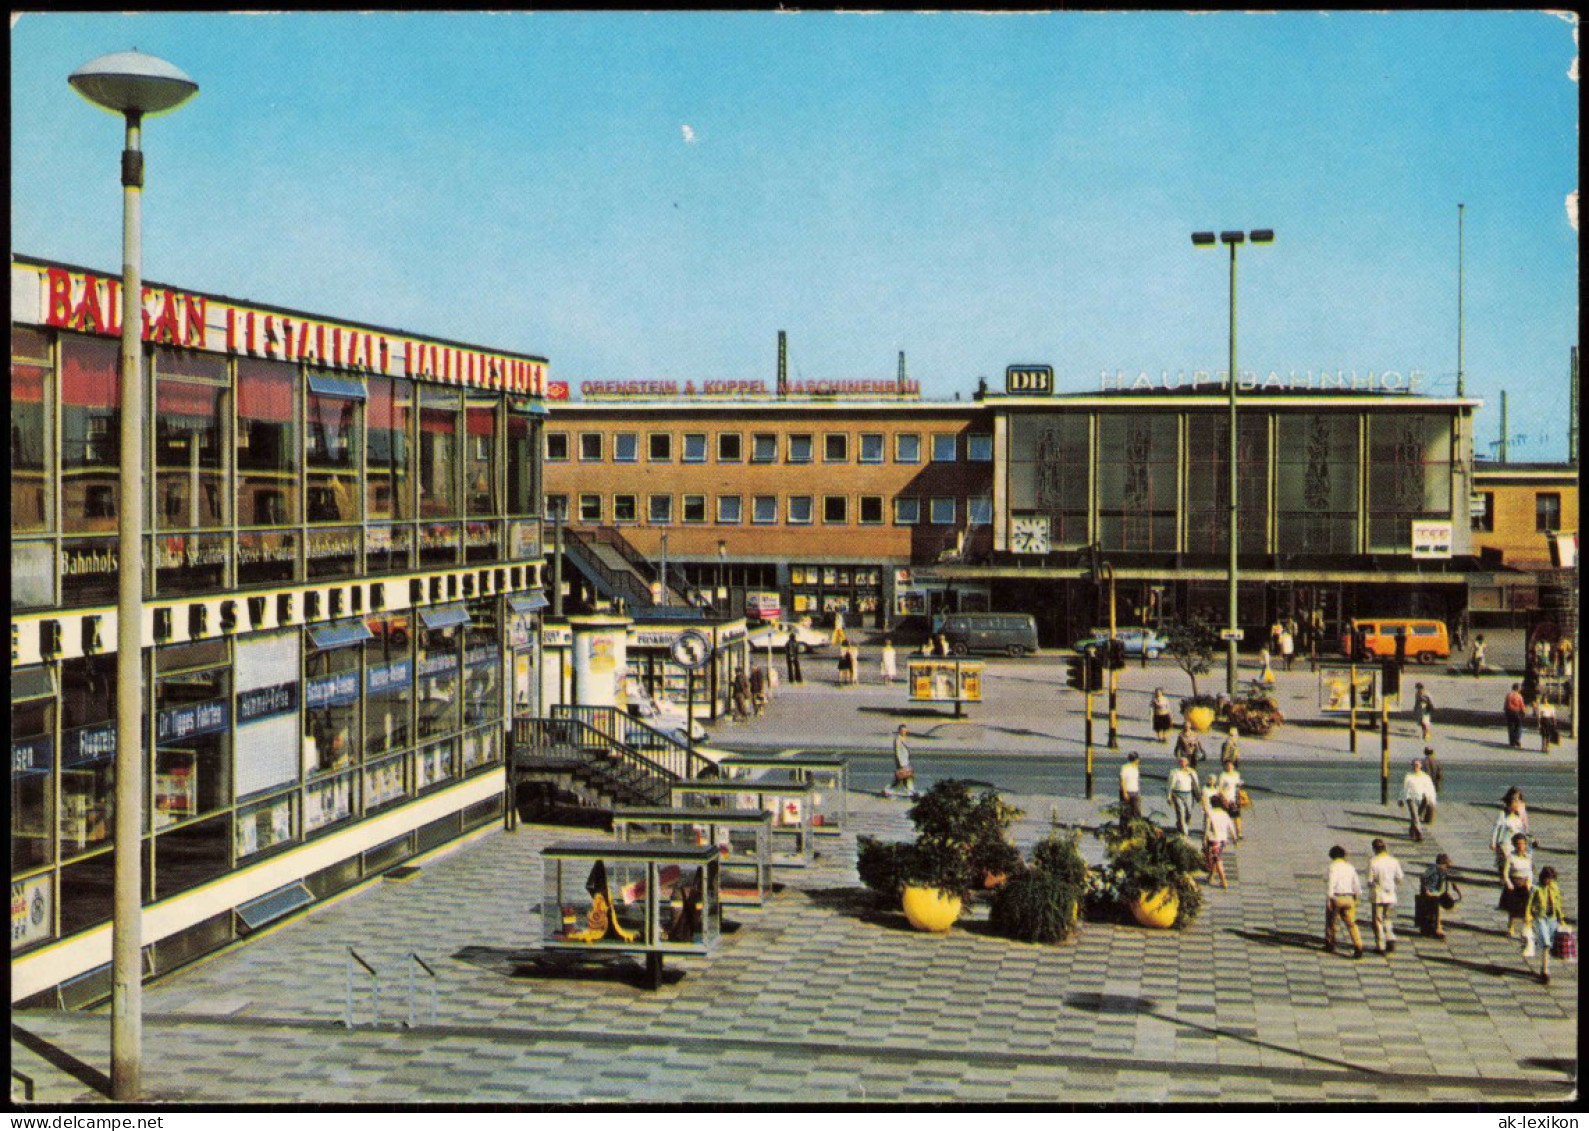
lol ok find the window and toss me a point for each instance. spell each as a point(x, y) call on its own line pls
point(907, 448)
point(1484, 520)
point(590, 508)
point(799, 449)
point(728, 509)
point(979, 510)
point(907, 511)
point(871, 447)
point(1547, 512)
point(267, 443)
point(659, 447)
point(590, 446)
point(763, 447)
point(835, 509)
point(871, 512)
point(480, 463)
point(764, 510)
point(625, 447)
point(695, 447)
point(694, 508)
point(979, 448)
point(387, 472)
point(660, 509)
point(941, 510)
point(557, 507)
point(835, 448)
point(190, 464)
point(440, 467)
point(557, 447)
point(32, 441)
point(624, 509)
point(730, 447)
point(943, 447)
point(799, 509)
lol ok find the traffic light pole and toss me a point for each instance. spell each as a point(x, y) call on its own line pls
point(1384, 748)
point(1114, 674)
point(1088, 741)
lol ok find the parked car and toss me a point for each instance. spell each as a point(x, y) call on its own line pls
point(1014, 634)
point(1138, 642)
point(777, 637)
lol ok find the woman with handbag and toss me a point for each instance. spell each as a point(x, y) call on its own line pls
point(1544, 920)
point(1230, 788)
point(1517, 882)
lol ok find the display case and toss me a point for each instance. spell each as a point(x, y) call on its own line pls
point(175, 787)
point(649, 897)
point(743, 841)
point(830, 800)
point(788, 801)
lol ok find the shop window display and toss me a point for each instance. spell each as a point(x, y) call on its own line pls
point(32, 768)
point(88, 753)
point(329, 802)
point(331, 709)
point(438, 667)
point(388, 684)
point(267, 443)
point(434, 764)
point(385, 782)
point(439, 463)
point(90, 434)
point(266, 825)
point(193, 747)
point(482, 700)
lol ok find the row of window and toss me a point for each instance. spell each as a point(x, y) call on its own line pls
point(693, 447)
point(1547, 512)
point(768, 510)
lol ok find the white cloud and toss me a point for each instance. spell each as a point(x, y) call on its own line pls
point(689, 134)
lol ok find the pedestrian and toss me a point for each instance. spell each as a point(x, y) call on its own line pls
point(846, 666)
point(741, 687)
point(839, 638)
point(1423, 708)
point(1512, 822)
point(1548, 734)
point(855, 664)
point(791, 652)
point(1229, 785)
point(1437, 892)
point(1342, 887)
point(1517, 877)
point(1384, 873)
point(1513, 708)
point(1418, 794)
point(1274, 637)
point(1217, 833)
point(1189, 746)
point(758, 690)
point(1476, 660)
point(1230, 749)
point(1160, 707)
point(1130, 790)
point(1563, 657)
point(1544, 919)
point(1182, 792)
point(943, 645)
point(1288, 649)
point(887, 664)
point(1266, 674)
point(1436, 772)
point(904, 775)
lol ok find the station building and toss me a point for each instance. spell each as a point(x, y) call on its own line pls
point(343, 578)
point(889, 508)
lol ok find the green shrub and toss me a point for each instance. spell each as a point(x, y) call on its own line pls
point(1144, 859)
point(1061, 856)
point(1036, 906)
point(883, 866)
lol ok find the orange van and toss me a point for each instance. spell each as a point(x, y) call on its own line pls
point(1427, 640)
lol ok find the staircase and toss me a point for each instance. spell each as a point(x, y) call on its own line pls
point(600, 757)
point(619, 571)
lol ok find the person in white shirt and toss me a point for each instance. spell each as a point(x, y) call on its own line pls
point(1230, 789)
point(889, 670)
point(1342, 887)
point(1418, 794)
point(1217, 832)
point(1384, 873)
point(1183, 792)
point(1130, 789)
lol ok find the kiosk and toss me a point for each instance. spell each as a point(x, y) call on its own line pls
point(743, 839)
point(787, 800)
point(830, 802)
point(651, 898)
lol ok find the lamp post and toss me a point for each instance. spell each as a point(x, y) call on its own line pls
point(1232, 240)
point(662, 585)
point(722, 567)
point(134, 86)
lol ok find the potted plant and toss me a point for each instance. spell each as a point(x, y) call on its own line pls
point(1200, 711)
point(1151, 873)
point(1191, 643)
point(1256, 715)
point(1042, 903)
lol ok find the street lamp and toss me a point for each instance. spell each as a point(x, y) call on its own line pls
point(1232, 240)
point(134, 86)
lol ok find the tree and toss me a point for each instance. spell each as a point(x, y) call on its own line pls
point(1192, 643)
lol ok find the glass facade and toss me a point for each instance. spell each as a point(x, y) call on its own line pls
point(260, 473)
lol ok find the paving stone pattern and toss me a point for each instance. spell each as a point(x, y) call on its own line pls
point(822, 998)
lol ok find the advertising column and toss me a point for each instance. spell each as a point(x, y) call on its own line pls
point(600, 659)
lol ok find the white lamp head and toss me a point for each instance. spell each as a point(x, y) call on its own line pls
point(132, 83)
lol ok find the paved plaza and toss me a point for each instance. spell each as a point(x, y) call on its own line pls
point(822, 998)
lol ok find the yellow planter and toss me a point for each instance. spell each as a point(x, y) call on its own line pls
point(1201, 718)
point(1157, 911)
point(929, 909)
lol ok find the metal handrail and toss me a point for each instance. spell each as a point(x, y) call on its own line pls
point(625, 585)
point(27, 1084)
point(347, 1005)
point(675, 758)
point(590, 745)
point(611, 536)
point(416, 960)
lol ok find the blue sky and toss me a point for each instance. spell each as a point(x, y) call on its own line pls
point(655, 196)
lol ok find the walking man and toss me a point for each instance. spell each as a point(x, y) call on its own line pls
point(1288, 648)
point(1342, 888)
point(1130, 789)
point(1183, 792)
point(1384, 873)
point(1189, 746)
point(1418, 794)
point(1424, 708)
point(1513, 708)
point(791, 652)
